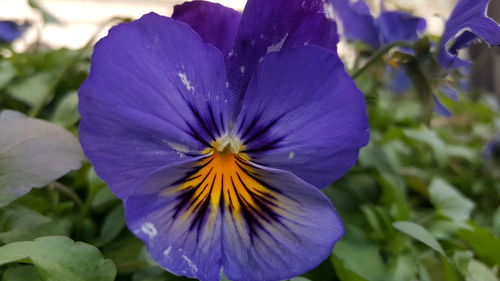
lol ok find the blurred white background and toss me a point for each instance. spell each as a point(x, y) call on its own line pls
point(80, 19)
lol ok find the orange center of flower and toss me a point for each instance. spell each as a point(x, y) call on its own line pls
point(226, 181)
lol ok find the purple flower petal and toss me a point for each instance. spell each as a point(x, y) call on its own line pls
point(399, 26)
point(464, 40)
point(357, 22)
point(269, 26)
point(10, 31)
point(299, 236)
point(156, 94)
point(215, 23)
point(440, 108)
point(359, 25)
point(304, 114)
point(253, 223)
point(468, 22)
point(397, 80)
point(449, 92)
point(183, 242)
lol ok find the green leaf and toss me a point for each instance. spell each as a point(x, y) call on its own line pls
point(21, 273)
point(126, 253)
point(58, 258)
point(7, 73)
point(358, 255)
point(461, 152)
point(496, 222)
point(343, 273)
point(461, 260)
point(23, 224)
point(66, 112)
point(112, 226)
point(33, 153)
point(379, 220)
point(484, 244)
point(419, 233)
point(430, 138)
point(32, 90)
point(103, 197)
point(479, 272)
point(393, 185)
point(449, 202)
point(445, 228)
point(403, 268)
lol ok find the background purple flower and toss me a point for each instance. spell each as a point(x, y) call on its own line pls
point(358, 24)
point(10, 31)
point(399, 26)
point(468, 22)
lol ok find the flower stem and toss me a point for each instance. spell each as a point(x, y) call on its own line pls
point(378, 55)
point(66, 191)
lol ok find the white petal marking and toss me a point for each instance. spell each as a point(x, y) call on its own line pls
point(185, 81)
point(191, 265)
point(277, 46)
point(149, 229)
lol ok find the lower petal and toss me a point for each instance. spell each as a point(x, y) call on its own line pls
point(185, 243)
point(222, 212)
point(294, 234)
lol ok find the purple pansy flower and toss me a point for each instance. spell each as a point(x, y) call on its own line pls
point(468, 22)
point(219, 157)
point(10, 31)
point(358, 24)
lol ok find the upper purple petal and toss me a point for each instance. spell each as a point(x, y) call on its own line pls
point(399, 26)
point(269, 26)
point(467, 22)
point(357, 22)
point(155, 95)
point(303, 113)
point(215, 23)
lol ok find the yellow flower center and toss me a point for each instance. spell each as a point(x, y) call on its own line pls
point(225, 181)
